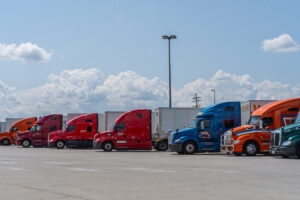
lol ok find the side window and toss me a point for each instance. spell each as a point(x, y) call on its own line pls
point(205, 124)
point(28, 122)
point(53, 118)
point(88, 120)
point(295, 109)
point(89, 129)
point(120, 127)
point(53, 128)
point(71, 128)
point(139, 115)
point(267, 121)
point(229, 108)
point(229, 123)
point(15, 128)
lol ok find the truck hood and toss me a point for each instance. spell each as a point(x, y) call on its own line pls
point(243, 128)
point(54, 133)
point(291, 126)
point(24, 133)
point(3, 133)
point(185, 131)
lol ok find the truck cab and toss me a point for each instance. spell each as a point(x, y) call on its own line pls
point(206, 129)
point(38, 135)
point(285, 141)
point(79, 132)
point(255, 137)
point(7, 138)
point(132, 130)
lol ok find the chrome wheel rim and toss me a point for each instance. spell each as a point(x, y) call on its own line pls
point(25, 143)
point(107, 146)
point(190, 148)
point(251, 149)
point(60, 144)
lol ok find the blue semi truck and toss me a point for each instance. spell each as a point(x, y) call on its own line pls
point(206, 129)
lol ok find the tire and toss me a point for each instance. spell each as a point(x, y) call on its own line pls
point(107, 146)
point(5, 142)
point(189, 147)
point(298, 151)
point(26, 143)
point(285, 156)
point(250, 148)
point(162, 145)
point(60, 144)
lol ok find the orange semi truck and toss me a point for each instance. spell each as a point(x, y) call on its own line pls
point(255, 137)
point(7, 138)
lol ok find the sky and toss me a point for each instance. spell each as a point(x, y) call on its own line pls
point(94, 56)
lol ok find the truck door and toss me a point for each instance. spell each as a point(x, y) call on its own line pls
point(71, 133)
point(206, 137)
point(120, 135)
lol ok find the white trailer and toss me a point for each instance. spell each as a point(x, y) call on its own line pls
point(248, 107)
point(169, 119)
point(110, 117)
point(9, 122)
point(2, 127)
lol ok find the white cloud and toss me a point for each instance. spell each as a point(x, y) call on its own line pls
point(24, 52)
point(282, 43)
point(81, 90)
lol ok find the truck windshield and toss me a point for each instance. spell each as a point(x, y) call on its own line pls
point(195, 123)
point(112, 127)
point(298, 119)
point(254, 120)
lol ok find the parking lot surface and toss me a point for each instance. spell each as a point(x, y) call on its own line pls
point(42, 173)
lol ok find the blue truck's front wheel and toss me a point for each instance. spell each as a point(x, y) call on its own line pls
point(189, 147)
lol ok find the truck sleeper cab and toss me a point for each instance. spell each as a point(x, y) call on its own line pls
point(7, 138)
point(79, 132)
point(256, 136)
point(206, 129)
point(132, 130)
point(38, 135)
point(285, 141)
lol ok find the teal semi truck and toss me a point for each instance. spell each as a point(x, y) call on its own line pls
point(286, 140)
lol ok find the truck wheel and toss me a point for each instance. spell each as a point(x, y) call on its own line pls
point(107, 146)
point(162, 145)
point(189, 147)
point(250, 148)
point(298, 151)
point(26, 143)
point(6, 142)
point(60, 144)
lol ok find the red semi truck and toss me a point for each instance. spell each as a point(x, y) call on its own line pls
point(38, 135)
point(132, 130)
point(79, 132)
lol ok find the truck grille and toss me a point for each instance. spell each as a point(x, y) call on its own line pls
point(275, 138)
point(226, 139)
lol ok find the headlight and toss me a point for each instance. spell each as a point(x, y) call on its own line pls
point(178, 140)
point(236, 141)
point(286, 143)
point(51, 140)
point(97, 140)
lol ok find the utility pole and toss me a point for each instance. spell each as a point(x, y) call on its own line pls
point(196, 99)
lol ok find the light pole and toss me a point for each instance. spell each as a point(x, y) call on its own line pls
point(169, 39)
point(213, 90)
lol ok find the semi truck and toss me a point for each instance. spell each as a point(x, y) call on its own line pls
point(205, 130)
point(79, 132)
point(132, 130)
point(285, 141)
point(38, 135)
point(7, 138)
point(254, 137)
